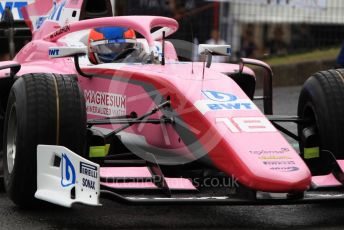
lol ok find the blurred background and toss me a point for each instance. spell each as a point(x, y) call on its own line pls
point(254, 28)
point(282, 32)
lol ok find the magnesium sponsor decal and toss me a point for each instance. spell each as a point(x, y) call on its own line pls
point(218, 101)
point(285, 169)
point(68, 175)
point(279, 162)
point(270, 152)
point(105, 104)
point(64, 29)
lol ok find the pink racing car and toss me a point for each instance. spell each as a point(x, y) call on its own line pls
point(100, 106)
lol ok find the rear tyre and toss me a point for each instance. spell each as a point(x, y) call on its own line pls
point(41, 109)
point(321, 102)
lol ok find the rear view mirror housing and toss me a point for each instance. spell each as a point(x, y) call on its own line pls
point(70, 51)
point(215, 50)
point(67, 51)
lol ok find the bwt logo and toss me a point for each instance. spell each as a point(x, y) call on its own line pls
point(54, 52)
point(15, 6)
point(218, 96)
point(68, 175)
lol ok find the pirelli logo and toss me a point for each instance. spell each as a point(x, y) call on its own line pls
point(88, 170)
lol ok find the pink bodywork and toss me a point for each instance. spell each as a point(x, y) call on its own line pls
point(238, 141)
point(328, 180)
point(140, 173)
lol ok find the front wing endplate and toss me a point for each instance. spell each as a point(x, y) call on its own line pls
point(65, 178)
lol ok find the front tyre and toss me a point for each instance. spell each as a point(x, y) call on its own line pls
point(321, 104)
point(41, 109)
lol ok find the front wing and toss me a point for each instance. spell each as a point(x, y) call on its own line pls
point(65, 178)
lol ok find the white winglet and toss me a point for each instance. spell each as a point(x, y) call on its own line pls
point(66, 51)
point(65, 178)
point(215, 50)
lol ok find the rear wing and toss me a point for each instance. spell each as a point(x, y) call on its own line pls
point(15, 7)
point(13, 29)
point(45, 16)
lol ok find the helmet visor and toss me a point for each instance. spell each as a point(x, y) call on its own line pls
point(111, 46)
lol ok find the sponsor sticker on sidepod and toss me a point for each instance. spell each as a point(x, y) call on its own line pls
point(219, 101)
point(105, 104)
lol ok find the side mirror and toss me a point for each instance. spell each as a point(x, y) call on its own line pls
point(70, 51)
point(66, 51)
point(209, 50)
point(216, 50)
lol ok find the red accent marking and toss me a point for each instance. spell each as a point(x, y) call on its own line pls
point(129, 34)
point(95, 36)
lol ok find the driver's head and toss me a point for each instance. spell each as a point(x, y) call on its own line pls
point(105, 44)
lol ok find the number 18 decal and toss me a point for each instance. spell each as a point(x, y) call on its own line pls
point(247, 124)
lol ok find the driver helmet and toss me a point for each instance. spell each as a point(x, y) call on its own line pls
point(106, 43)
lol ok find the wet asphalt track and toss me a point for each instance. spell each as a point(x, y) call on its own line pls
point(117, 216)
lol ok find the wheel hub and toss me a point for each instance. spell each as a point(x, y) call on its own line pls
point(11, 139)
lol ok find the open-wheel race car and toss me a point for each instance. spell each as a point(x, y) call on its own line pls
point(97, 106)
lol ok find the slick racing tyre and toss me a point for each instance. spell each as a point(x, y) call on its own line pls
point(41, 109)
point(321, 105)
